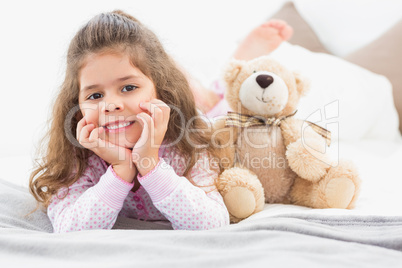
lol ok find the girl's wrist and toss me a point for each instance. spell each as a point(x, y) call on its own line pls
point(146, 164)
point(127, 172)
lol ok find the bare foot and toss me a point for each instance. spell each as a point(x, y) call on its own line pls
point(263, 39)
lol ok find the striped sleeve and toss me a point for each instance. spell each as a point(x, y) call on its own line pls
point(185, 205)
point(167, 180)
point(87, 205)
point(112, 190)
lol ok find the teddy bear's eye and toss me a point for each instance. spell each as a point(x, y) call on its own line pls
point(254, 71)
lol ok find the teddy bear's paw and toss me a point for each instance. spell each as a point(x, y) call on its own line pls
point(341, 187)
point(339, 192)
point(240, 202)
point(242, 192)
point(307, 160)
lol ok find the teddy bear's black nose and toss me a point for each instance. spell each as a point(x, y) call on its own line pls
point(264, 80)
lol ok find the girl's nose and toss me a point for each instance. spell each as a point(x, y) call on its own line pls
point(112, 106)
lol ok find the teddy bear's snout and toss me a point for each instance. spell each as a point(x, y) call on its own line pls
point(264, 80)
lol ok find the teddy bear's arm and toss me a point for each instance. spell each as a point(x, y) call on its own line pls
point(305, 149)
point(291, 130)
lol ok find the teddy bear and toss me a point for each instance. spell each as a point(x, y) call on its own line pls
point(268, 155)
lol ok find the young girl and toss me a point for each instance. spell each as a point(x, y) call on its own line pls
point(135, 131)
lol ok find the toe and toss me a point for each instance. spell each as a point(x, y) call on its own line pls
point(286, 32)
point(279, 24)
point(284, 29)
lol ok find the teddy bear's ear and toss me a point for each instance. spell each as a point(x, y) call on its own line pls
point(302, 83)
point(232, 70)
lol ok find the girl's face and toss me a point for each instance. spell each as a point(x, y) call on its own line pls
point(111, 89)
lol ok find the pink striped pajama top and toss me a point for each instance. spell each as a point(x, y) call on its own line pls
point(99, 196)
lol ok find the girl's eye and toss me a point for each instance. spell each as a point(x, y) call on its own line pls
point(95, 96)
point(129, 88)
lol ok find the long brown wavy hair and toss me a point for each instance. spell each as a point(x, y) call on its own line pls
point(61, 160)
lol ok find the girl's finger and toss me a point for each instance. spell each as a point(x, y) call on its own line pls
point(164, 107)
point(150, 105)
point(159, 111)
point(146, 106)
point(85, 132)
point(95, 143)
point(144, 120)
point(94, 136)
point(103, 143)
point(157, 115)
point(80, 125)
point(166, 113)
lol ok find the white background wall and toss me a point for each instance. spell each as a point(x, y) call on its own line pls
point(200, 34)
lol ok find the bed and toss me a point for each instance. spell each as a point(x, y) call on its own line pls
point(363, 111)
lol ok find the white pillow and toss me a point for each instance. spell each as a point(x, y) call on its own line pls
point(351, 101)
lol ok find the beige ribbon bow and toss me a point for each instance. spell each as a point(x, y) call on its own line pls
point(243, 120)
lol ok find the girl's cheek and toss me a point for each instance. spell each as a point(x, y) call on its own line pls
point(92, 119)
point(90, 112)
point(88, 108)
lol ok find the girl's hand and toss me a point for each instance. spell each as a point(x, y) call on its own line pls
point(154, 122)
point(118, 157)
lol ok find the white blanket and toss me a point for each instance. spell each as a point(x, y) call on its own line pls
point(280, 241)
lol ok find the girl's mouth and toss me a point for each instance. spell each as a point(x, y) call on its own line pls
point(118, 126)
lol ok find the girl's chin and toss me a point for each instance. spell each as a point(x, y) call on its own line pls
point(125, 144)
point(121, 141)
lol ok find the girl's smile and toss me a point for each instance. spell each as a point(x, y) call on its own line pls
point(118, 126)
point(111, 90)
